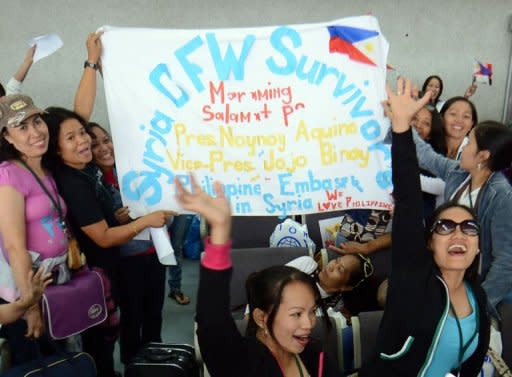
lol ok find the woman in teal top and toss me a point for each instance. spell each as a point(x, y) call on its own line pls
point(435, 320)
point(449, 352)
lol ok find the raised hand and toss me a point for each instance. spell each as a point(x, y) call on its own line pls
point(401, 107)
point(94, 47)
point(216, 210)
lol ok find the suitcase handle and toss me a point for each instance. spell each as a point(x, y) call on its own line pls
point(158, 354)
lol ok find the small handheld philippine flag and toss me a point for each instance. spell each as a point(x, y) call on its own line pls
point(482, 73)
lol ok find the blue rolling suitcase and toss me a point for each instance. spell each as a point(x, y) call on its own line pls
point(160, 359)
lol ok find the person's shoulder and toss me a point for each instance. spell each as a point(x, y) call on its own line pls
point(70, 182)
point(500, 186)
point(12, 174)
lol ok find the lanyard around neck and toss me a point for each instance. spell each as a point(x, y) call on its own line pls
point(55, 201)
point(464, 347)
point(297, 362)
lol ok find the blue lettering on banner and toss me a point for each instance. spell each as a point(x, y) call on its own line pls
point(275, 41)
point(348, 92)
point(383, 179)
point(313, 184)
point(192, 70)
point(145, 184)
point(229, 63)
point(384, 148)
point(224, 66)
point(287, 206)
point(155, 77)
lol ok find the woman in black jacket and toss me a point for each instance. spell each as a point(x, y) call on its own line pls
point(282, 304)
point(435, 321)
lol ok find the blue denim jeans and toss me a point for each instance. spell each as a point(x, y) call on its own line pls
point(179, 229)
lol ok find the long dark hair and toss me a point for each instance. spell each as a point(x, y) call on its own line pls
point(436, 137)
point(426, 82)
point(7, 150)
point(471, 274)
point(54, 117)
point(91, 125)
point(496, 138)
point(265, 289)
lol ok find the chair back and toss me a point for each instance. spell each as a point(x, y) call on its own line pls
point(365, 327)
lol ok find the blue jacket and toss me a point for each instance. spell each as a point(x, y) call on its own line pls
point(494, 210)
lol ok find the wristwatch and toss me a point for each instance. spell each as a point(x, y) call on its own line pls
point(91, 65)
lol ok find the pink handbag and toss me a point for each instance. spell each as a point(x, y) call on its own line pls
point(70, 308)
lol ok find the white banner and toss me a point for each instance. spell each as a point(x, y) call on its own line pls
point(288, 118)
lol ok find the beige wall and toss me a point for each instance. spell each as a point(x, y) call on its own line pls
point(426, 36)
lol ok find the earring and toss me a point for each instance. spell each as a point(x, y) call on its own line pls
point(479, 166)
point(265, 332)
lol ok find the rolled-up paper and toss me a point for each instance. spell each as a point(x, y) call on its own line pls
point(163, 246)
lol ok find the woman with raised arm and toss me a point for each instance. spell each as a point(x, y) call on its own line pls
point(92, 216)
point(435, 320)
point(434, 84)
point(282, 304)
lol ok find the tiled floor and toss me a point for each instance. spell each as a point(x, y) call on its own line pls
point(178, 319)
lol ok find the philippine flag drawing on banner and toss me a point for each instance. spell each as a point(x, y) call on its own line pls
point(482, 73)
point(352, 41)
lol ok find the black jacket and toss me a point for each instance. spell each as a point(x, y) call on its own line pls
point(225, 351)
point(418, 300)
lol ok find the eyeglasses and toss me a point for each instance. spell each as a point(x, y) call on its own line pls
point(445, 227)
point(367, 269)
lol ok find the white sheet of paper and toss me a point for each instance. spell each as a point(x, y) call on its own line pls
point(163, 246)
point(143, 236)
point(46, 45)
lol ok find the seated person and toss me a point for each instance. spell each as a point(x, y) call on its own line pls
point(36, 283)
point(365, 232)
point(282, 302)
point(340, 283)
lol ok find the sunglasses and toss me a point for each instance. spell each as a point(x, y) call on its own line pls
point(367, 269)
point(445, 227)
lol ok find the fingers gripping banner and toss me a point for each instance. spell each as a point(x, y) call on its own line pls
point(288, 118)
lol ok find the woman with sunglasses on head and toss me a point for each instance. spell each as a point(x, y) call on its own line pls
point(435, 321)
point(477, 182)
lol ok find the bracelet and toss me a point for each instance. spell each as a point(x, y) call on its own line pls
point(134, 228)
